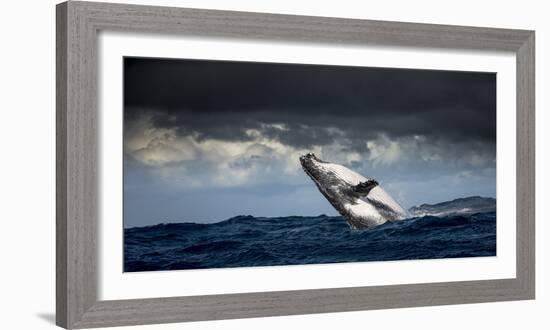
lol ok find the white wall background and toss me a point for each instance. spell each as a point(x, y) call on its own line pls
point(27, 162)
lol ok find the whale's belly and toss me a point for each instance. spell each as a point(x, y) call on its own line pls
point(372, 210)
point(380, 197)
point(363, 214)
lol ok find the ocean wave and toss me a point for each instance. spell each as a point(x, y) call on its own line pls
point(246, 241)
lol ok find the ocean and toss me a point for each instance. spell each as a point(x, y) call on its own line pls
point(456, 229)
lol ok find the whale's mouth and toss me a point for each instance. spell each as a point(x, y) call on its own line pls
point(306, 168)
point(310, 157)
point(307, 162)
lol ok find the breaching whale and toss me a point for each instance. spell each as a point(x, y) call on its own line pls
point(359, 199)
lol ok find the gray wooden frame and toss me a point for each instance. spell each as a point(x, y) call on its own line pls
point(77, 149)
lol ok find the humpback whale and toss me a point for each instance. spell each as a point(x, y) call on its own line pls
point(360, 200)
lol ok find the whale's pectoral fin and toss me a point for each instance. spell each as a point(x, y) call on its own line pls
point(363, 188)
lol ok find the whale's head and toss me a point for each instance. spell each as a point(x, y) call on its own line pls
point(359, 199)
point(339, 184)
point(330, 176)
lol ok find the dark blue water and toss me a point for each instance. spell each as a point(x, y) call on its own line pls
point(246, 241)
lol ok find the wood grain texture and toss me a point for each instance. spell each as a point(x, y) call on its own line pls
point(61, 288)
point(77, 141)
point(77, 189)
point(296, 28)
point(525, 165)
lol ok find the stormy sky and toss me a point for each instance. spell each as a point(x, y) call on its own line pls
point(208, 140)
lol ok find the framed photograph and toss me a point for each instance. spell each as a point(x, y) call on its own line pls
point(217, 165)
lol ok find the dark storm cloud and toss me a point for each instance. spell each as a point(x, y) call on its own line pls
point(426, 136)
point(217, 99)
